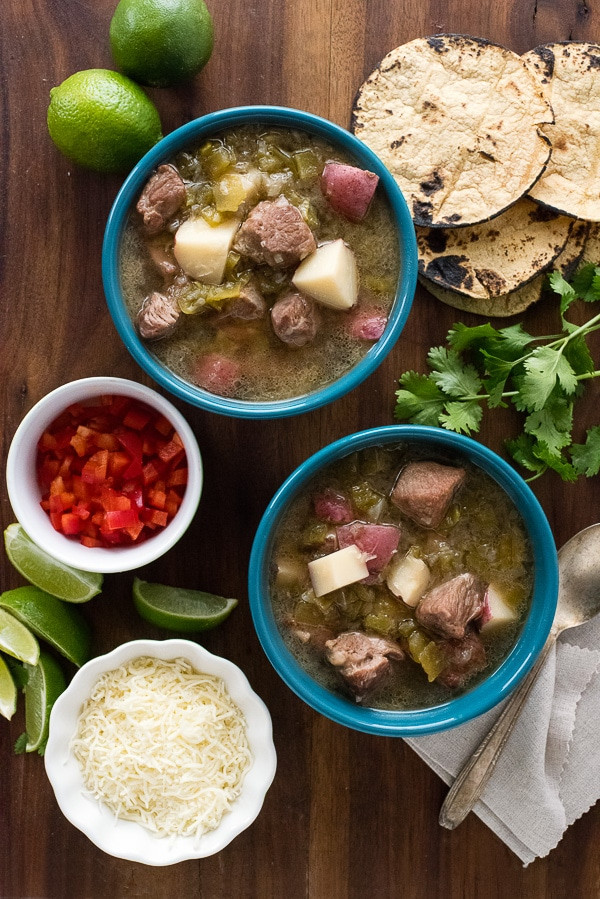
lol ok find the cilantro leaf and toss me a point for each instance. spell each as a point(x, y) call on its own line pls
point(463, 417)
point(418, 400)
point(453, 376)
point(566, 293)
point(521, 449)
point(21, 744)
point(556, 462)
point(578, 354)
point(461, 337)
point(541, 375)
point(586, 456)
point(498, 372)
point(511, 343)
point(551, 425)
point(586, 283)
point(561, 286)
point(543, 368)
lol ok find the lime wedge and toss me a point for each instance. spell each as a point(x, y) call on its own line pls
point(17, 640)
point(61, 625)
point(47, 573)
point(8, 691)
point(44, 685)
point(179, 609)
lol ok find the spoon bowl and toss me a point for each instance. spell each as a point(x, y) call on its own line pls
point(579, 580)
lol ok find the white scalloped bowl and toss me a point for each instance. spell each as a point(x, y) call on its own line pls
point(127, 839)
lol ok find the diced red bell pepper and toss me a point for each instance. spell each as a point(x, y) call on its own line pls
point(107, 441)
point(157, 498)
point(47, 442)
point(150, 473)
point(65, 466)
point(178, 478)
point(82, 510)
point(135, 530)
point(70, 523)
point(121, 518)
point(154, 517)
point(80, 444)
point(137, 418)
point(117, 405)
point(135, 494)
point(60, 502)
point(112, 472)
point(171, 452)
point(118, 463)
point(163, 425)
point(94, 470)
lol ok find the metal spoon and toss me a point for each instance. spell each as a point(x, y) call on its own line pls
point(578, 602)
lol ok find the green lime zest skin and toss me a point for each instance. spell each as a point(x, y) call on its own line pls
point(102, 120)
point(39, 568)
point(180, 608)
point(161, 43)
point(59, 624)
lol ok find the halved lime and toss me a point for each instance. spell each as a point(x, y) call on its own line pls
point(180, 609)
point(17, 640)
point(44, 685)
point(8, 691)
point(61, 625)
point(47, 573)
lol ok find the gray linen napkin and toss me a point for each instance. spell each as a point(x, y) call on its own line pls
point(549, 772)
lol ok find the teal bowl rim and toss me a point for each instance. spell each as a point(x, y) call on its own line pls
point(468, 705)
point(184, 136)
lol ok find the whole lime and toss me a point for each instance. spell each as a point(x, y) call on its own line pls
point(102, 120)
point(161, 42)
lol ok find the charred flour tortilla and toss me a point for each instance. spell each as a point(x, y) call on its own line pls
point(516, 301)
point(494, 258)
point(457, 120)
point(569, 75)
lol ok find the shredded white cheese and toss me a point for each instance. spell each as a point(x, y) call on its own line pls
point(163, 745)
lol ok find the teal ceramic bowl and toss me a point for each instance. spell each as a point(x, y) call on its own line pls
point(467, 705)
point(187, 136)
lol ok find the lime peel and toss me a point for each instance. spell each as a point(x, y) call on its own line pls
point(102, 120)
point(39, 568)
point(58, 623)
point(45, 683)
point(179, 608)
point(161, 42)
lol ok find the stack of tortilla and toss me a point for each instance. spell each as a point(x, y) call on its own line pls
point(498, 158)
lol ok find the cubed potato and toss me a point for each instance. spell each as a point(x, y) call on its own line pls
point(329, 275)
point(338, 569)
point(201, 249)
point(498, 612)
point(408, 578)
point(236, 188)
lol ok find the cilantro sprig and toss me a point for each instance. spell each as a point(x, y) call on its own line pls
point(541, 376)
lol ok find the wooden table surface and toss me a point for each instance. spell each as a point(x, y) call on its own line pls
point(348, 814)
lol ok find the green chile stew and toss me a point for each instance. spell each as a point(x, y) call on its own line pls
point(448, 581)
point(218, 324)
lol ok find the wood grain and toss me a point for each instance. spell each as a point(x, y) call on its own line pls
point(348, 815)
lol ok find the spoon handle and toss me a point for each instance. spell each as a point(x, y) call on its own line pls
point(471, 781)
